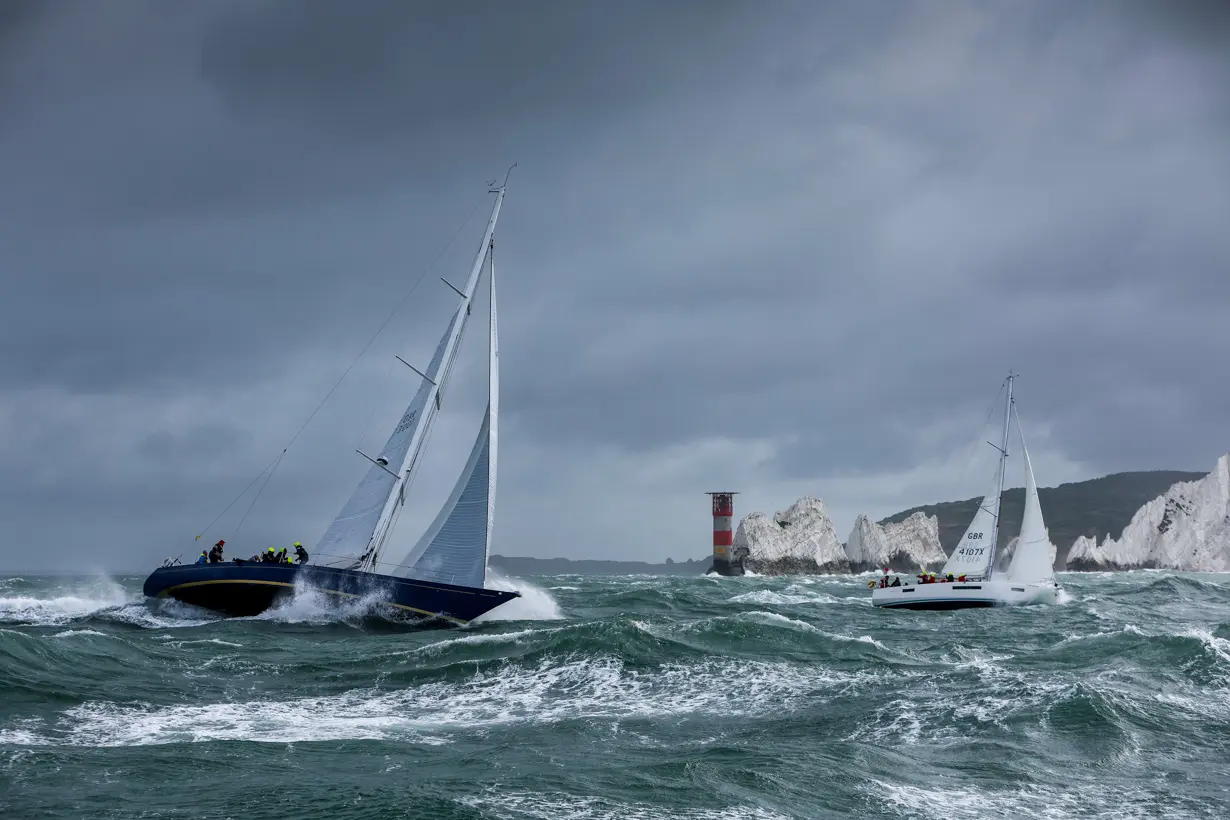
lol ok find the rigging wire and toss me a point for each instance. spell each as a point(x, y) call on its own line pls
point(276, 459)
point(384, 385)
point(272, 467)
point(276, 462)
point(977, 439)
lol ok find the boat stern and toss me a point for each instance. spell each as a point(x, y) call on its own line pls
point(230, 588)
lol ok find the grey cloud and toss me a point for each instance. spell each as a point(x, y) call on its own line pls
point(827, 226)
point(427, 66)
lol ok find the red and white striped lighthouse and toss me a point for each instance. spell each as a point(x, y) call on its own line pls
point(723, 535)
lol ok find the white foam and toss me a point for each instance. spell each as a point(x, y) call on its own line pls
point(68, 633)
point(774, 617)
point(794, 595)
point(1084, 799)
point(163, 613)
point(546, 693)
point(555, 806)
point(309, 605)
point(63, 605)
point(768, 596)
point(921, 717)
point(535, 603)
point(477, 638)
point(179, 644)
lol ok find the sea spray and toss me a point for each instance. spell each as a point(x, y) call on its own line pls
point(535, 603)
point(61, 602)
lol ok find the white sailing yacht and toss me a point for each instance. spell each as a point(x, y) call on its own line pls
point(1030, 577)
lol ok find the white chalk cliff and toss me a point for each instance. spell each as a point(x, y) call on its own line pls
point(1187, 528)
point(909, 545)
point(794, 541)
point(802, 540)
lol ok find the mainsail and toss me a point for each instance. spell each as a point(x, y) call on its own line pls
point(974, 555)
point(358, 533)
point(1034, 558)
point(454, 548)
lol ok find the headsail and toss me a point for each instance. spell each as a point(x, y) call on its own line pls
point(356, 535)
point(972, 554)
point(349, 538)
point(1034, 558)
point(454, 548)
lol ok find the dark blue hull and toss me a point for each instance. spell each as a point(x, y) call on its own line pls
point(251, 588)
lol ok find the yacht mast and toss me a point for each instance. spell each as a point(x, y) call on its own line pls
point(436, 379)
point(1003, 467)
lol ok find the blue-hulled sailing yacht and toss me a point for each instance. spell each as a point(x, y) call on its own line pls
point(443, 575)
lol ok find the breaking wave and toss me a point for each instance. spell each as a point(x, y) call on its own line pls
point(634, 697)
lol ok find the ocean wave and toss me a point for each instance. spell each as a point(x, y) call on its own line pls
point(65, 607)
point(668, 697)
point(1083, 798)
point(582, 689)
point(548, 806)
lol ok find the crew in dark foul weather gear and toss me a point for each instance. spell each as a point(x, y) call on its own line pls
point(281, 556)
point(301, 553)
point(270, 557)
point(215, 554)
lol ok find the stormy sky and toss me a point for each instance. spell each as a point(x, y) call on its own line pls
point(782, 248)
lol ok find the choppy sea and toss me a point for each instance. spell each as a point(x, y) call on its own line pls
point(632, 697)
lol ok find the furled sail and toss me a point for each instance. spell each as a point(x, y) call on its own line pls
point(1034, 558)
point(972, 554)
point(355, 537)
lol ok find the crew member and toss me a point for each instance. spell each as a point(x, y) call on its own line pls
point(301, 553)
point(203, 559)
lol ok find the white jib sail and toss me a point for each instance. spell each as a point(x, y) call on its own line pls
point(972, 553)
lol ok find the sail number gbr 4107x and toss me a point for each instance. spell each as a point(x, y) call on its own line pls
point(970, 549)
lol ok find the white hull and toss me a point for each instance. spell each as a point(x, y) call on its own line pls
point(965, 595)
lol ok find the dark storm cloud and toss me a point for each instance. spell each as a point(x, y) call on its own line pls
point(438, 65)
point(817, 232)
